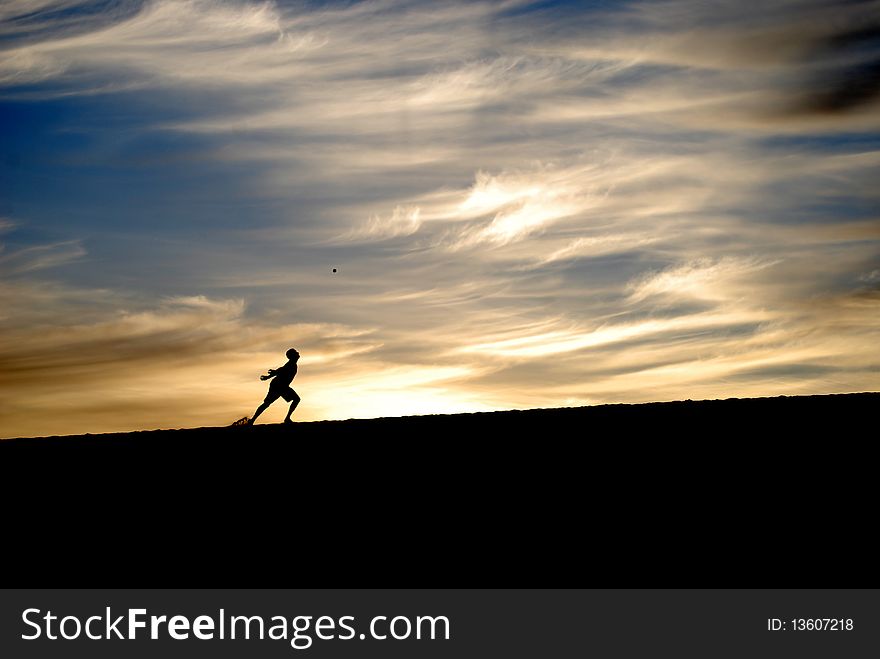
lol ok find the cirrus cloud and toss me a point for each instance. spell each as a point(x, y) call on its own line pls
point(526, 204)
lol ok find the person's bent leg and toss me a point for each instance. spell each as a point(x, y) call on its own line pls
point(293, 403)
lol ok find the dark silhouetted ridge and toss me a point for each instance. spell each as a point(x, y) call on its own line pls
point(704, 419)
point(764, 492)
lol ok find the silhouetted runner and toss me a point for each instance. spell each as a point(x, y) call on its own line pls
point(280, 387)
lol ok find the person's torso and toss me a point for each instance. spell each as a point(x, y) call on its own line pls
point(285, 374)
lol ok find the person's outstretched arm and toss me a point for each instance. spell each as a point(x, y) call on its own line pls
point(272, 373)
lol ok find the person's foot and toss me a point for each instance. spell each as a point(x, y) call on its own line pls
point(286, 421)
point(249, 422)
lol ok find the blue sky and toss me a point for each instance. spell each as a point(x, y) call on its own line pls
point(529, 204)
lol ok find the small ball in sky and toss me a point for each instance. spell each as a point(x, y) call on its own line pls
point(334, 269)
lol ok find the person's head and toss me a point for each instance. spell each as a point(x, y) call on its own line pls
point(292, 355)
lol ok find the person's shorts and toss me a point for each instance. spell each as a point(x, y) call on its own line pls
point(287, 393)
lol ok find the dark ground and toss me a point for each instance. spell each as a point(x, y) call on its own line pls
point(770, 417)
point(741, 492)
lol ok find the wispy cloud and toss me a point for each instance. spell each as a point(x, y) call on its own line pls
point(701, 279)
point(39, 257)
point(526, 204)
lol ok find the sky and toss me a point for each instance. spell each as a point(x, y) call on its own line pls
point(528, 204)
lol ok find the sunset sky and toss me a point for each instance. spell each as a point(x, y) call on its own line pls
point(529, 204)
